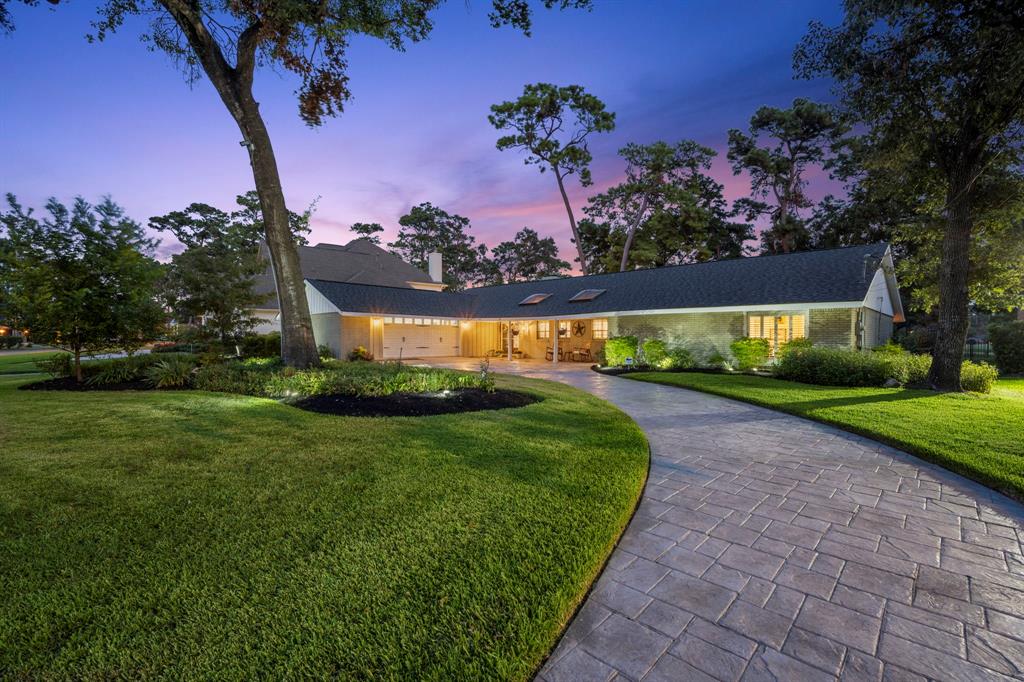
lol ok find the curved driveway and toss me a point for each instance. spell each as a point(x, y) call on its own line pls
point(769, 547)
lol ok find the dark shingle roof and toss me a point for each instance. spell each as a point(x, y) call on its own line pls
point(358, 262)
point(828, 276)
point(364, 298)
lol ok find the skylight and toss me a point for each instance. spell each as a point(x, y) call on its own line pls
point(587, 295)
point(533, 299)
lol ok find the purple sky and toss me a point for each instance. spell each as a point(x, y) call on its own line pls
point(115, 118)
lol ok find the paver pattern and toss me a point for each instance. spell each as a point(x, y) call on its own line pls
point(768, 547)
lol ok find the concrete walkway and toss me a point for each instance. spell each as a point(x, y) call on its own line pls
point(768, 547)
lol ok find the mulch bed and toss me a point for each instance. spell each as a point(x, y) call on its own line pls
point(414, 404)
point(69, 384)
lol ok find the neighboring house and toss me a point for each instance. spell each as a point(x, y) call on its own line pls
point(358, 262)
point(846, 298)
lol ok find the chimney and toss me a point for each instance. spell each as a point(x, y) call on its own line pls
point(434, 266)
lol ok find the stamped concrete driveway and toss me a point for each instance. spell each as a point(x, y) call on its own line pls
point(769, 547)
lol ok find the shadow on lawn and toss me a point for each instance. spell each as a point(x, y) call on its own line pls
point(849, 401)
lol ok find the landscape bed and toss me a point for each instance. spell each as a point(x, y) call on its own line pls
point(978, 436)
point(449, 547)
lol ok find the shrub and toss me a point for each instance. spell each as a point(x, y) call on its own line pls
point(261, 345)
point(60, 365)
point(917, 367)
point(360, 353)
point(324, 351)
point(677, 358)
point(890, 347)
point(1008, 346)
point(792, 345)
point(115, 371)
point(977, 377)
point(180, 347)
point(618, 348)
point(838, 367)
point(718, 361)
point(655, 352)
point(750, 352)
point(171, 373)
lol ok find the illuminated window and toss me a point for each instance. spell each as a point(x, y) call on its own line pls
point(543, 329)
point(533, 299)
point(778, 329)
point(454, 323)
point(600, 328)
point(407, 320)
point(389, 320)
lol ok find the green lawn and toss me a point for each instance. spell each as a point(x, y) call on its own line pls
point(979, 436)
point(20, 363)
point(186, 535)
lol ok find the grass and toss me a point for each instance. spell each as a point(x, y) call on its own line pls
point(978, 436)
point(22, 363)
point(185, 535)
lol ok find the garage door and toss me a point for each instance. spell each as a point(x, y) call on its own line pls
point(420, 341)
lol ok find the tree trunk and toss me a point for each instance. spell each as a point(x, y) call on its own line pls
point(234, 85)
point(78, 364)
point(630, 235)
point(954, 268)
point(572, 222)
point(298, 347)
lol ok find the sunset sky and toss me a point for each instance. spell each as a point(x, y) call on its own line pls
point(115, 118)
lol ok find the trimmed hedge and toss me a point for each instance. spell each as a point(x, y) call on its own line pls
point(655, 352)
point(1008, 346)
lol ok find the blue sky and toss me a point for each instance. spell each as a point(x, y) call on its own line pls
point(115, 118)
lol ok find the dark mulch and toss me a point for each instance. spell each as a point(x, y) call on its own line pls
point(69, 384)
point(415, 404)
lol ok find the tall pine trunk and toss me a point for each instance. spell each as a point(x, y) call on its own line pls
point(572, 222)
point(954, 300)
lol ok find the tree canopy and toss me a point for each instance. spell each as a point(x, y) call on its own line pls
point(528, 256)
point(551, 125)
point(368, 231)
point(939, 87)
point(426, 229)
point(776, 153)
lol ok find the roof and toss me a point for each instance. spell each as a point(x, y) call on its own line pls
point(828, 276)
point(359, 262)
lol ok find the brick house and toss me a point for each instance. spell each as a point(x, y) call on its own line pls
point(846, 298)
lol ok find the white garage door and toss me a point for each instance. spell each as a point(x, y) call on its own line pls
point(419, 341)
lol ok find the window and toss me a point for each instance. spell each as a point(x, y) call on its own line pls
point(543, 329)
point(778, 329)
point(533, 299)
point(587, 295)
point(600, 328)
point(388, 320)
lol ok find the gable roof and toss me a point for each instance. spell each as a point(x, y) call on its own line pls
point(359, 262)
point(808, 277)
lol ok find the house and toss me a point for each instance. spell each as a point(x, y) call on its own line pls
point(358, 262)
point(847, 298)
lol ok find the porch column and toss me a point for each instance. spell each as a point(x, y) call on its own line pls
point(510, 340)
point(554, 353)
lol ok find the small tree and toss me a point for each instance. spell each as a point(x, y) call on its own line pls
point(81, 279)
point(426, 229)
point(211, 282)
point(799, 137)
point(538, 124)
point(940, 87)
point(528, 256)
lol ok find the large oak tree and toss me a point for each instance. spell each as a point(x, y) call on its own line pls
point(940, 86)
point(228, 39)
